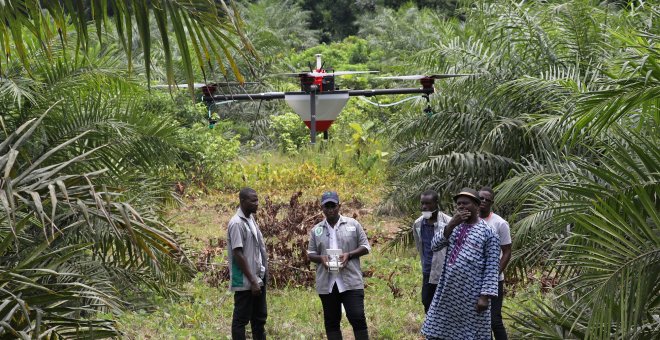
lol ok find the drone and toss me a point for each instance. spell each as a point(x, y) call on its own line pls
point(319, 101)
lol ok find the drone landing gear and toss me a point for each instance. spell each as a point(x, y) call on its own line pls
point(212, 118)
point(427, 109)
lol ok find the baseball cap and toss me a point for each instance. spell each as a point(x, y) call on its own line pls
point(470, 193)
point(329, 196)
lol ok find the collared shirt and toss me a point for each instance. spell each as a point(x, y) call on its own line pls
point(427, 232)
point(350, 236)
point(243, 232)
point(501, 228)
point(334, 278)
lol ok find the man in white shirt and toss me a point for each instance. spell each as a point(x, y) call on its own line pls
point(501, 228)
point(343, 286)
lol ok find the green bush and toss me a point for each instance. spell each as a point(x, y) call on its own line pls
point(208, 155)
point(289, 132)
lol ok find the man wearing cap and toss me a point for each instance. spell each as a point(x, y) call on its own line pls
point(459, 309)
point(343, 285)
point(501, 228)
point(248, 265)
point(424, 228)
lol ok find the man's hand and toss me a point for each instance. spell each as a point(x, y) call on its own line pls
point(344, 259)
point(459, 217)
point(242, 263)
point(482, 303)
point(255, 287)
point(324, 261)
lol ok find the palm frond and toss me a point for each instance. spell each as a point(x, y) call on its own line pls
point(56, 225)
point(207, 27)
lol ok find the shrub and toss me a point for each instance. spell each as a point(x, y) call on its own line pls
point(207, 156)
point(289, 132)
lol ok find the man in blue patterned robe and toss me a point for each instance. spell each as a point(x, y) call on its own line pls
point(459, 309)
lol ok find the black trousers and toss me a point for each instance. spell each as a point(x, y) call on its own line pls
point(496, 314)
point(428, 290)
point(252, 309)
point(353, 301)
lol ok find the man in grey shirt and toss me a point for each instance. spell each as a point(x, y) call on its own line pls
point(342, 286)
point(248, 265)
point(424, 228)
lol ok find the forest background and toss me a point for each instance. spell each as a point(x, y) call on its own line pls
point(115, 193)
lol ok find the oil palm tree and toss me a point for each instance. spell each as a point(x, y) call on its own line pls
point(80, 224)
point(596, 217)
point(204, 32)
point(71, 246)
point(528, 71)
point(569, 129)
point(597, 225)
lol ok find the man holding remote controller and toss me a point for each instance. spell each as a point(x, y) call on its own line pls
point(339, 278)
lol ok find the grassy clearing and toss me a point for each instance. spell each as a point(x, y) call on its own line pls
point(294, 313)
point(392, 295)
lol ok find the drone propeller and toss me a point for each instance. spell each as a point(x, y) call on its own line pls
point(338, 73)
point(322, 74)
point(183, 86)
point(420, 77)
point(201, 85)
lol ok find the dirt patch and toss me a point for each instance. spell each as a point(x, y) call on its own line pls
point(285, 226)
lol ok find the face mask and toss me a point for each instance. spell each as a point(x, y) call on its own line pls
point(427, 214)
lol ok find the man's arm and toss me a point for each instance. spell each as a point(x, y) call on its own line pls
point(418, 242)
point(506, 256)
point(362, 249)
point(357, 252)
point(439, 240)
point(242, 264)
point(504, 233)
point(459, 217)
point(316, 258)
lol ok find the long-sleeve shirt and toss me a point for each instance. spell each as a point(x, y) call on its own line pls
point(471, 270)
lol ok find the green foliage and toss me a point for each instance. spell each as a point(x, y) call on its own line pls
point(399, 34)
point(610, 252)
point(351, 54)
point(277, 28)
point(83, 190)
point(289, 132)
point(208, 27)
point(364, 147)
point(335, 19)
point(85, 246)
point(207, 155)
point(531, 77)
point(311, 170)
point(203, 154)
